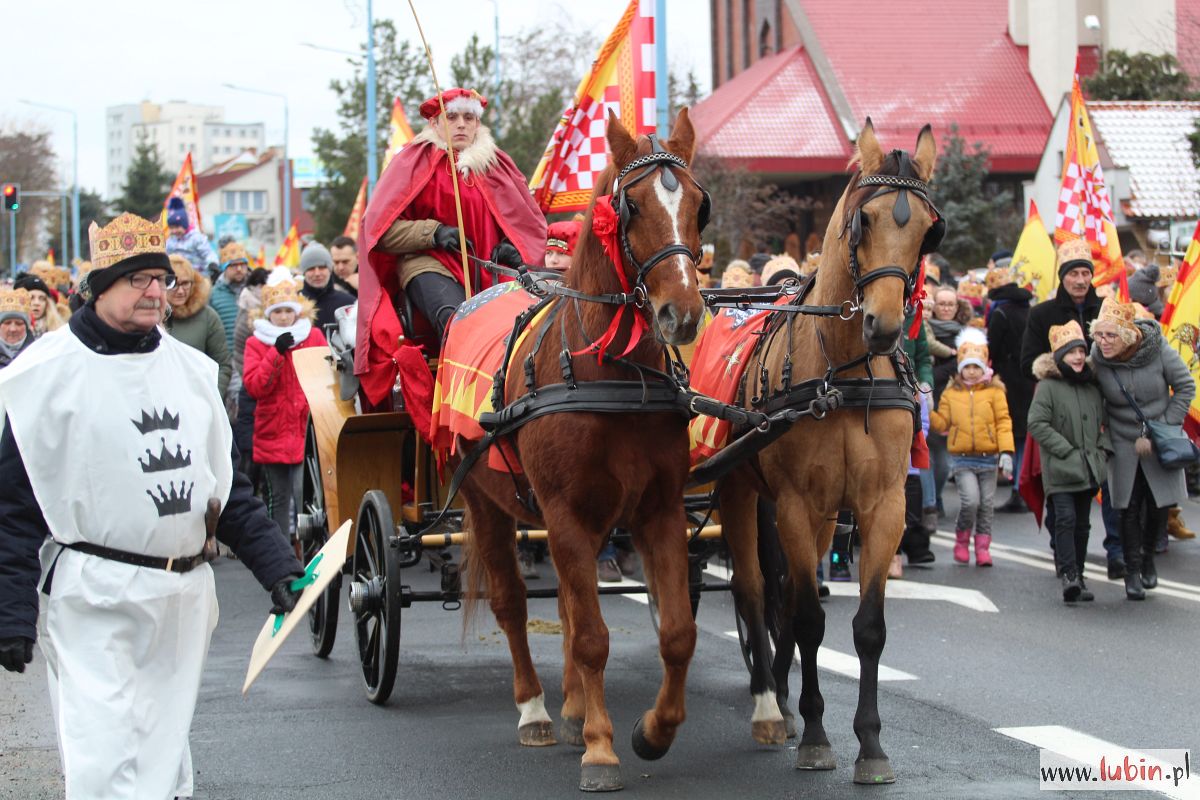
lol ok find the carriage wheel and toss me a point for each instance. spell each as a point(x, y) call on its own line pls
point(312, 527)
point(375, 596)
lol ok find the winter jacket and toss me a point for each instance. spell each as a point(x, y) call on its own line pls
point(196, 324)
point(945, 332)
point(327, 300)
point(224, 301)
point(1005, 329)
point(8, 352)
point(1058, 310)
point(1163, 388)
point(917, 350)
point(1066, 419)
point(974, 418)
point(1143, 288)
point(281, 417)
point(195, 247)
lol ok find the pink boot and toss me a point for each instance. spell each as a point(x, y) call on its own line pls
point(961, 553)
point(983, 556)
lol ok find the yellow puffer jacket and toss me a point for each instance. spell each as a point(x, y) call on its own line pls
point(975, 419)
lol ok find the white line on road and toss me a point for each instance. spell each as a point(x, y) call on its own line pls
point(846, 664)
point(972, 599)
point(1082, 748)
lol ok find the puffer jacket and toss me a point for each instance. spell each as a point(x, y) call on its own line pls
point(1067, 419)
point(974, 418)
point(281, 416)
point(195, 247)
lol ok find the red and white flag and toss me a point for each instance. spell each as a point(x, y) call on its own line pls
point(185, 189)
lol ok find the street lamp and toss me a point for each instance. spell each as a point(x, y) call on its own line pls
point(287, 166)
point(75, 172)
point(372, 157)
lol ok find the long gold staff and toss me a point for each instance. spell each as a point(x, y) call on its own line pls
point(462, 236)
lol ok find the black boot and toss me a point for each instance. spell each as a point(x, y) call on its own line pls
point(1149, 572)
point(1131, 543)
point(1070, 587)
point(1133, 586)
point(1116, 569)
point(1085, 595)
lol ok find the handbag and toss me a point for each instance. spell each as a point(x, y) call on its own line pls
point(1171, 445)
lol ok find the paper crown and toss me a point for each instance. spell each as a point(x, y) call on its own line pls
point(999, 276)
point(1141, 312)
point(1063, 335)
point(970, 288)
point(280, 290)
point(1118, 313)
point(1074, 250)
point(1166, 277)
point(933, 272)
point(973, 350)
point(234, 251)
point(125, 237)
point(14, 301)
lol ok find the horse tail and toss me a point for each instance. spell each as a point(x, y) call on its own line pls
point(472, 575)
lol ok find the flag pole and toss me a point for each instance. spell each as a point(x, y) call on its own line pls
point(662, 79)
point(462, 236)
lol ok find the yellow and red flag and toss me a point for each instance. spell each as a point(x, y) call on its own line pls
point(1033, 261)
point(185, 189)
point(289, 252)
point(262, 257)
point(50, 256)
point(1181, 323)
point(1084, 209)
point(621, 80)
point(356, 213)
point(401, 134)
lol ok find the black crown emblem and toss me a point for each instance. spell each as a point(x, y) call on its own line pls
point(177, 502)
point(166, 460)
point(149, 424)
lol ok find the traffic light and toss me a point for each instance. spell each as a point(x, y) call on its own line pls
point(12, 196)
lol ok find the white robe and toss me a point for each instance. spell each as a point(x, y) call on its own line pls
point(122, 451)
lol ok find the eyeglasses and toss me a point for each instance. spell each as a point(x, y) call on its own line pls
point(142, 280)
point(1104, 336)
point(184, 284)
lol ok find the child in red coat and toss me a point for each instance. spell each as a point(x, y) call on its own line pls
point(281, 418)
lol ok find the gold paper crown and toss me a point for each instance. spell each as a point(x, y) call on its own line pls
point(62, 277)
point(1166, 277)
point(233, 251)
point(970, 288)
point(1073, 250)
point(1118, 313)
point(933, 271)
point(43, 272)
point(14, 300)
point(972, 350)
point(126, 236)
point(1061, 335)
point(283, 292)
point(999, 276)
point(1141, 312)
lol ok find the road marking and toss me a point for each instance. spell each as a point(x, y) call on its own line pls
point(846, 664)
point(972, 599)
point(1014, 554)
point(1082, 748)
point(642, 598)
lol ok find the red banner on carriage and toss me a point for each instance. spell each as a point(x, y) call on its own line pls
point(621, 80)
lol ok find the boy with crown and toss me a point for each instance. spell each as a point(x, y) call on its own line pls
point(116, 469)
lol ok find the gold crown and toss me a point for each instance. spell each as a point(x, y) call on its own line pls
point(62, 277)
point(933, 271)
point(999, 276)
point(43, 272)
point(126, 236)
point(1141, 312)
point(1118, 313)
point(233, 252)
point(972, 350)
point(970, 288)
point(1166, 277)
point(1073, 250)
point(14, 300)
point(283, 292)
point(1061, 335)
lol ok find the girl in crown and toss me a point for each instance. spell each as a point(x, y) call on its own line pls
point(281, 416)
point(973, 412)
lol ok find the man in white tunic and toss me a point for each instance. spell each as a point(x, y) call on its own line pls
point(115, 444)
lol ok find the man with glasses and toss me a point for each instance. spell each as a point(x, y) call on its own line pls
point(116, 477)
point(235, 270)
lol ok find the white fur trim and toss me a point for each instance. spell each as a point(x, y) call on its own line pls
point(465, 104)
point(971, 334)
point(476, 159)
point(966, 362)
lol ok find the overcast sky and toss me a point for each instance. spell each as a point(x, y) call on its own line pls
point(87, 55)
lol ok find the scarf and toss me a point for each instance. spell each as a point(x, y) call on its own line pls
point(1071, 376)
point(945, 329)
point(984, 378)
point(267, 333)
point(102, 338)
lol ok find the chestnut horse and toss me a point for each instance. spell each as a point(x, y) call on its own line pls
point(589, 472)
point(874, 241)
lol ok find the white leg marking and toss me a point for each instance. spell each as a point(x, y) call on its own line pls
point(670, 201)
point(533, 711)
point(766, 708)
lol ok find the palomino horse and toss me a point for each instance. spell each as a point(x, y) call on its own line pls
point(879, 230)
point(589, 472)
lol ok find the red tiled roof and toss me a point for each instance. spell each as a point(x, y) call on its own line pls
point(773, 117)
point(1150, 140)
point(906, 64)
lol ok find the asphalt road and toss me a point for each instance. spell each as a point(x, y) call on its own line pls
point(979, 664)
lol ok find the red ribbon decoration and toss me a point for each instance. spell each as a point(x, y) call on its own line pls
point(917, 296)
point(606, 229)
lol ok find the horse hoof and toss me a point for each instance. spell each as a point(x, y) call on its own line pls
point(873, 771)
point(570, 730)
point(816, 756)
point(769, 731)
point(790, 723)
point(600, 778)
point(642, 747)
point(537, 734)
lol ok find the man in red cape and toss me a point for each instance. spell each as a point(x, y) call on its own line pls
point(409, 240)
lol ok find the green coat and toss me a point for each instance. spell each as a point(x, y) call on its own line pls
point(202, 329)
point(917, 351)
point(1065, 419)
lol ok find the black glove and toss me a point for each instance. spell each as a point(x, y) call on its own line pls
point(446, 238)
point(282, 595)
point(15, 653)
point(284, 342)
point(508, 255)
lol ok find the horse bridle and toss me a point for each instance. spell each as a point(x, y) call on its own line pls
point(901, 185)
point(655, 161)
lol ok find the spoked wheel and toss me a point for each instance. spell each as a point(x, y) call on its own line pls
point(312, 527)
point(375, 596)
point(775, 583)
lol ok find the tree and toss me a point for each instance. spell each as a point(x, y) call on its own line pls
point(977, 220)
point(146, 184)
point(400, 71)
point(1139, 76)
point(27, 158)
point(1194, 141)
point(683, 91)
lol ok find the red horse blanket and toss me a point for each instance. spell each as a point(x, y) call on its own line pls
point(472, 354)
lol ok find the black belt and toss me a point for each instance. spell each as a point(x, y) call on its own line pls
point(180, 565)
